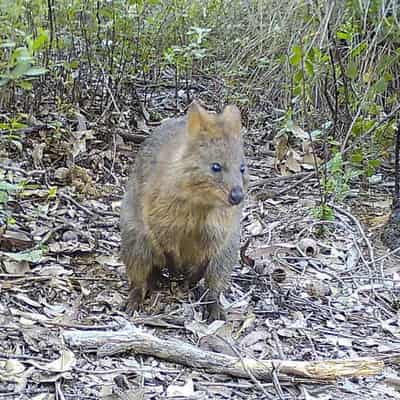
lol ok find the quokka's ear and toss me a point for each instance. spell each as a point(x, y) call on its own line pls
point(198, 119)
point(232, 120)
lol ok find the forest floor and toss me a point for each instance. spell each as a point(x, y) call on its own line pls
point(334, 295)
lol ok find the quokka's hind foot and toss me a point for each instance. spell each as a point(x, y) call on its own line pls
point(191, 280)
point(139, 291)
point(215, 312)
point(134, 301)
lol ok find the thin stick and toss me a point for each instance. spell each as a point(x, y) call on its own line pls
point(396, 196)
point(260, 182)
point(372, 129)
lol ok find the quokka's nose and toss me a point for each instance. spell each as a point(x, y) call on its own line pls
point(236, 195)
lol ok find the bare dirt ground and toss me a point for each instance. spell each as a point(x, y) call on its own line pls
point(302, 289)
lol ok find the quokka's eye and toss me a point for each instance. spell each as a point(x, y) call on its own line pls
point(242, 168)
point(216, 167)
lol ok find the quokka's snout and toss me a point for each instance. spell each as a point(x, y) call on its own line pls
point(236, 195)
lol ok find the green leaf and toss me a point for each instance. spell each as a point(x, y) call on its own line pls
point(374, 163)
point(36, 71)
point(369, 171)
point(315, 134)
point(8, 187)
point(335, 165)
point(316, 54)
point(7, 44)
point(11, 221)
point(381, 85)
point(323, 212)
point(310, 54)
point(359, 49)
point(74, 64)
point(21, 55)
point(18, 125)
point(3, 197)
point(33, 256)
point(357, 157)
point(297, 90)
point(52, 192)
point(296, 55)
point(309, 67)
point(343, 35)
point(4, 80)
point(19, 70)
point(352, 70)
point(26, 85)
point(387, 76)
point(298, 77)
point(39, 42)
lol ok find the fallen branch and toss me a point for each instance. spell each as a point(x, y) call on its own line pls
point(298, 183)
point(272, 195)
point(137, 138)
point(177, 351)
point(263, 181)
point(26, 130)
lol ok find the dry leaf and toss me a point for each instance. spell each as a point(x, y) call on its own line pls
point(11, 368)
point(247, 323)
point(281, 146)
point(37, 154)
point(82, 122)
point(217, 345)
point(254, 337)
point(111, 260)
point(255, 228)
point(61, 174)
point(308, 159)
point(202, 329)
point(292, 161)
point(63, 364)
point(186, 390)
point(79, 144)
point(16, 267)
point(299, 133)
point(15, 239)
point(317, 289)
point(44, 396)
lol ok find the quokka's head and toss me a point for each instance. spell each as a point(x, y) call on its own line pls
point(213, 167)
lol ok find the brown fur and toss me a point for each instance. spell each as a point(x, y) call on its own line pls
point(176, 211)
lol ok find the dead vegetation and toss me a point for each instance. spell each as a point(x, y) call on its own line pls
point(316, 297)
point(313, 307)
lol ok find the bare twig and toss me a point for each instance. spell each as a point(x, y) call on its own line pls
point(373, 128)
point(22, 171)
point(278, 178)
point(360, 229)
point(396, 194)
point(273, 195)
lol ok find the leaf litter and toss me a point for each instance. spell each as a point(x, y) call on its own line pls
point(304, 290)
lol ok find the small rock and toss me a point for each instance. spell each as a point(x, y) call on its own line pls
point(70, 236)
point(61, 174)
point(375, 179)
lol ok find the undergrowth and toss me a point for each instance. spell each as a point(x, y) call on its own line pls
point(314, 64)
